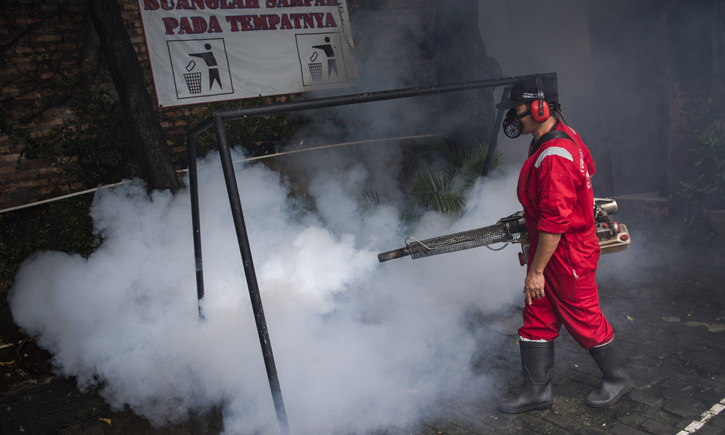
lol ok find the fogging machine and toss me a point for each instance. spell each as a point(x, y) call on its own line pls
point(613, 236)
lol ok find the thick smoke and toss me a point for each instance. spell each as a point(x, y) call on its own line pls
point(358, 344)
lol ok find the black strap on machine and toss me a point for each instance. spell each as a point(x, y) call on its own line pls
point(554, 134)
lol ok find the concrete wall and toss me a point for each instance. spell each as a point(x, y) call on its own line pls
point(625, 70)
point(609, 73)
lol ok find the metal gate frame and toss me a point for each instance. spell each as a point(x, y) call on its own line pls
point(217, 121)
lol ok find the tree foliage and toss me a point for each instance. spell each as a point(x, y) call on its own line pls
point(705, 187)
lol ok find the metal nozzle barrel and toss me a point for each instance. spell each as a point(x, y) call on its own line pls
point(499, 233)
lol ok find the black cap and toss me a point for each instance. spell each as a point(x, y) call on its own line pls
point(525, 91)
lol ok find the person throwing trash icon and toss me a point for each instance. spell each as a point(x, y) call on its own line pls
point(330, 53)
point(211, 63)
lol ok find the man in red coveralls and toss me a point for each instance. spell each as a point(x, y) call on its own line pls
point(556, 192)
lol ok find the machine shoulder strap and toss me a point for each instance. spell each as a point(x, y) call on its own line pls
point(554, 134)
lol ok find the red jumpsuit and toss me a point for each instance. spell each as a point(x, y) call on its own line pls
point(556, 191)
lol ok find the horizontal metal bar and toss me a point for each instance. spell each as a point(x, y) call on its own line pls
point(341, 100)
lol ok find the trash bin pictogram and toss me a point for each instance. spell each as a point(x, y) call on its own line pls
point(316, 71)
point(193, 81)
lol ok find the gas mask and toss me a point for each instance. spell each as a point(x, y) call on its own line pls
point(512, 125)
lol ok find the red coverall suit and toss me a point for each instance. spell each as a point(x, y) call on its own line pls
point(556, 192)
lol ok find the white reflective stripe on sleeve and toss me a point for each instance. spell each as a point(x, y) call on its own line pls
point(553, 151)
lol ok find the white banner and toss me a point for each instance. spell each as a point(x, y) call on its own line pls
point(215, 50)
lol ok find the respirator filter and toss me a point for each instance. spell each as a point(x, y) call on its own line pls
point(512, 125)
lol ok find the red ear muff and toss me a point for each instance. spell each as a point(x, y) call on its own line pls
point(539, 110)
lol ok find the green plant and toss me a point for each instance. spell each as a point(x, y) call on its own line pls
point(443, 191)
point(705, 186)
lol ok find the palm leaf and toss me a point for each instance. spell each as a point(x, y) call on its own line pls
point(435, 191)
point(473, 162)
point(372, 197)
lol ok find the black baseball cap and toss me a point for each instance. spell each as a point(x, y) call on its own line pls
point(525, 91)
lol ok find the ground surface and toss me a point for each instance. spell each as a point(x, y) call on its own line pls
point(667, 303)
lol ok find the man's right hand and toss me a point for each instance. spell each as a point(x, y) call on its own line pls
point(534, 286)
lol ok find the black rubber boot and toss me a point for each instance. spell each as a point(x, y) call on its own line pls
point(537, 366)
point(615, 379)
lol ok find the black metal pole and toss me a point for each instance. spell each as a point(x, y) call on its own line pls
point(236, 205)
point(494, 133)
point(194, 196)
point(195, 220)
point(342, 100)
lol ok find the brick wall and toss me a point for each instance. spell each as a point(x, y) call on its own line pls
point(41, 48)
point(45, 47)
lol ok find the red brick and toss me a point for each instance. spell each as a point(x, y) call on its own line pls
point(9, 157)
point(7, 169)
point(33, 183)
point(32, 164)
point(50, 190)
point(8, 187)
point(48, 171)
point(15, 176)
point(27, 21)
point(48, 38)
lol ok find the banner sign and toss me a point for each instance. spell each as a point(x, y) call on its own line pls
point(214, 50)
